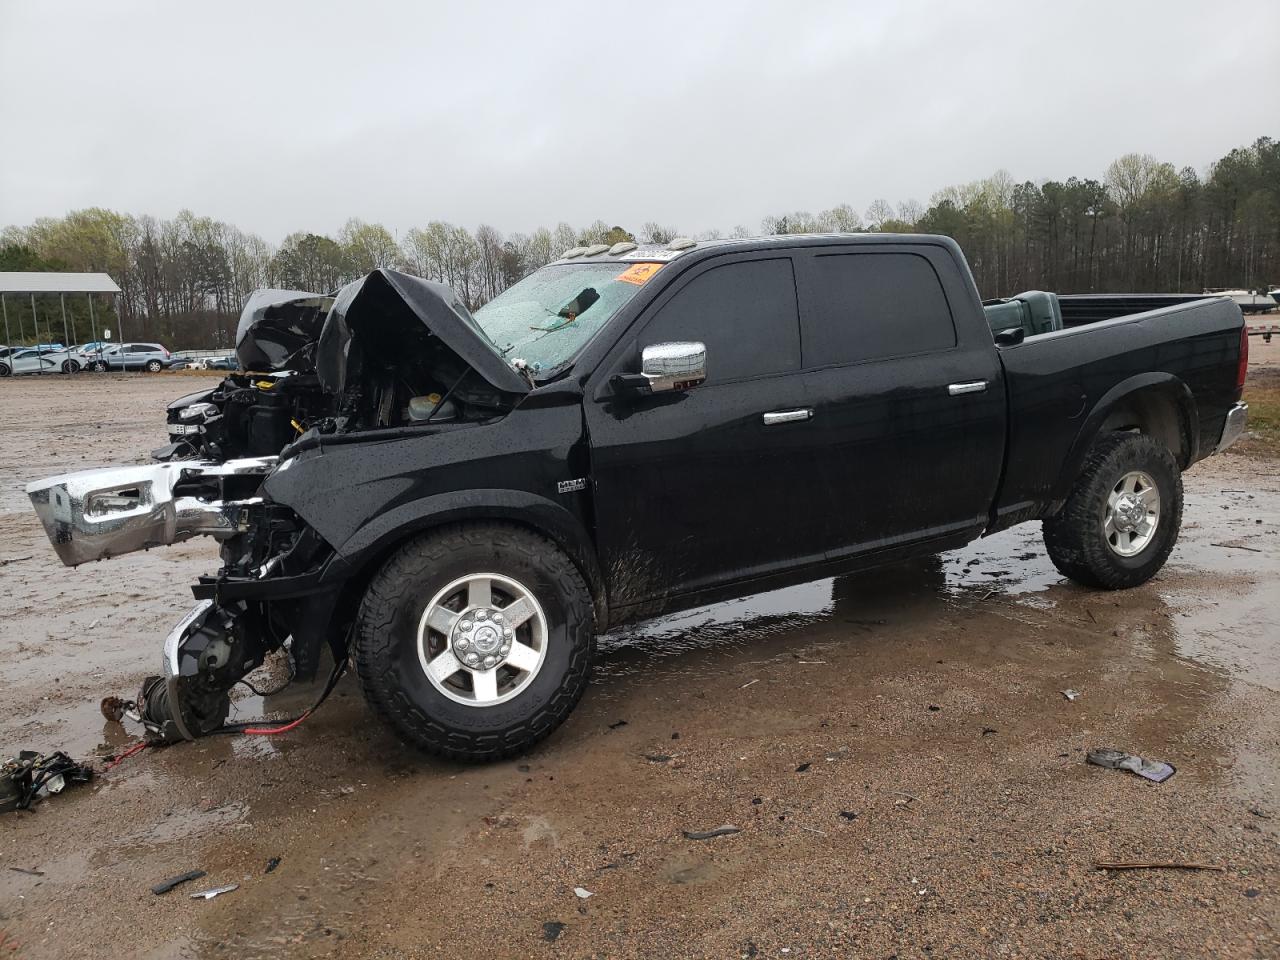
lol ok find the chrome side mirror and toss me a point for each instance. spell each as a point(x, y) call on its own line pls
point(673, 366)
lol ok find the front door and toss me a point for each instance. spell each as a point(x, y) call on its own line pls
point(696, 489)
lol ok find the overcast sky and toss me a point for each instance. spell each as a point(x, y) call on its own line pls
point(295, 116)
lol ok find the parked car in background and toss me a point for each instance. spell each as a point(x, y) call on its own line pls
point(221, 363)
point(69, 359)
point(27, 360)
point(132, 356)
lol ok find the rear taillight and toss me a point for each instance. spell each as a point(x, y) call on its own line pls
point(167, 354)
point(1242, 370)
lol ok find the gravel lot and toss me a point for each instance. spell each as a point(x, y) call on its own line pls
point(908, 778)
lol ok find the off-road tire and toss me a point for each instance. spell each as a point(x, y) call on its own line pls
point(386, 641)
point(1074, 537)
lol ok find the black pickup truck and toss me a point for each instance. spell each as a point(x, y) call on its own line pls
point(460, 503)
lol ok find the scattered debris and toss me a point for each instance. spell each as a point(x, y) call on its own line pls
point(725, 831)
point(803, 767)
point(987, 596)
point(164, 886)
point(32, 775)
point(749, 683)
point(657, 757)
point(1070, 694)
point(1259, 812)
point(114, 708)
point(551, 930)
point(215, 892)
point(988, 731)
point(1154, 770)
point(757, 801)
point(848, 815)
point(121, 757)
point(907, 795)
point(29, 873)
point(272, 864)
point(1236, 546)
point(811, 829)
point(1252, 892)
point(616, 724)
point(1154, 865)
point(8, 560)
point(934, 708)
point(582, 893)
point(675, 736)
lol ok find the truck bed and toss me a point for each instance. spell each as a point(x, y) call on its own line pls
point(1062, 385)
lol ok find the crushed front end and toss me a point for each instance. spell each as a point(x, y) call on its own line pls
point(268, 589)
point(388, 357)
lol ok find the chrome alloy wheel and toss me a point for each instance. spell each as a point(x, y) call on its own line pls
point(1132, 515)
point(482, 639)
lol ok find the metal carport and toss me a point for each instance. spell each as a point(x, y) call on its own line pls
point(39, 283)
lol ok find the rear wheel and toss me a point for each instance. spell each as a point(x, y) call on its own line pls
point(154, 366)
point(4, 370)
point(1122, 518)
point(476, 642)
point(98, 366)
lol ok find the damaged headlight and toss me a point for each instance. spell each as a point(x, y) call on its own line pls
point(198, 411)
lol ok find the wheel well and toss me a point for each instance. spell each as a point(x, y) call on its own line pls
point(1157, 414)
point(353, 589)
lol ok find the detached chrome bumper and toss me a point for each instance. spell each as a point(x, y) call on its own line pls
point(1234, 426)
point(96, 514)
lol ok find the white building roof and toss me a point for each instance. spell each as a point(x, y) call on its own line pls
point(57, 283)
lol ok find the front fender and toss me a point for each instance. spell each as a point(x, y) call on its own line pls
point(1162, 383)
point(375, 539)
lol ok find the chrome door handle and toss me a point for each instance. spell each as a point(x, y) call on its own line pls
point(973, 386)
point(787, 416)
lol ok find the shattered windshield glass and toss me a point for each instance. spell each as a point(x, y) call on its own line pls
point(547, 317)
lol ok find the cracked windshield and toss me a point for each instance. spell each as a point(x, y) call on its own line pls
point(547, 317)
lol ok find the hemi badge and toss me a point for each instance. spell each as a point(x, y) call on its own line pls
point(572, 486)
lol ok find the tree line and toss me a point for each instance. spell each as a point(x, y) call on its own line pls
point(1145, 226)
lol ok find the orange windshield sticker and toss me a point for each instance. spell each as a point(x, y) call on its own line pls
point(640, 273)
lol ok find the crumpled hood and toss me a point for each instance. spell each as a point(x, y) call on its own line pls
point(276, 326)
point(366, 302)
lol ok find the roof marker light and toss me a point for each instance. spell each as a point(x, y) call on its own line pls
point(682, 243)
point(573, 252)
point(621, 247)
point(595, 250)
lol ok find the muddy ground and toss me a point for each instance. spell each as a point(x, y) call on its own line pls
point(908, 778)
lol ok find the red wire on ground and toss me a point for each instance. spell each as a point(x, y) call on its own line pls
point(136, 748)
point(270, 731)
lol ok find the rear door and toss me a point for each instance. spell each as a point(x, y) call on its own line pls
point(695, 489)
point(907, 393)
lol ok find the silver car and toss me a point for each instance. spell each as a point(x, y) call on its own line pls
point(152, 357)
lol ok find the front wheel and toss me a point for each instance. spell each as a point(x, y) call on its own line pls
point(475, 642)
point(70, 366)
point(98, 366)
point(4, 370)
point(1122, 518)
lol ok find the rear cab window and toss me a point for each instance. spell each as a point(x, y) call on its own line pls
point(873, 305)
